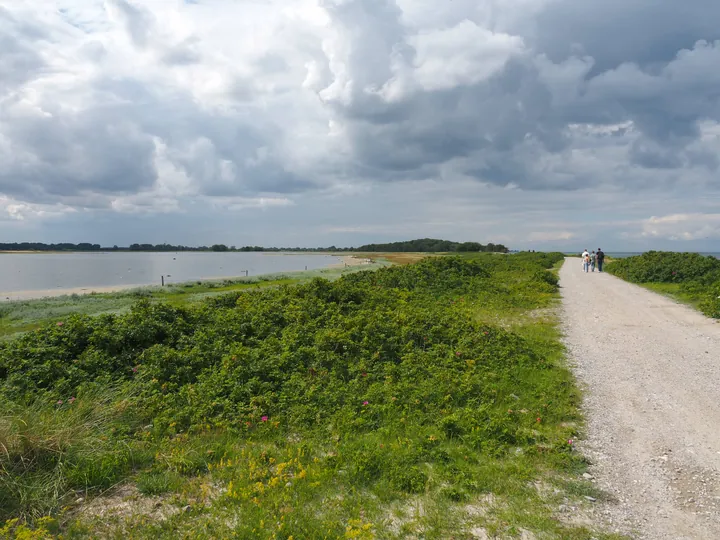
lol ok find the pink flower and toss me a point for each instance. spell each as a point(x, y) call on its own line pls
point(366, 403)
point(571, 442)
point(264, 419)
point(458, 353)
point(60, 323)
point(71, 400)
point(135, 369)
point(59, 401)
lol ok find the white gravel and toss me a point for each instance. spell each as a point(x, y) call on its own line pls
point(651, 373)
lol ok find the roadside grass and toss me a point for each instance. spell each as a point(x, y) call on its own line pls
point(427, 401)
point(676, 292)
point(690, 278)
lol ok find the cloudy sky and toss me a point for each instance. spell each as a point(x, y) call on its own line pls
point(536, 123)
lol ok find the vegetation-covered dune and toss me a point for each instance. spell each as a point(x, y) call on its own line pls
point(690, 277)
point(427, 400)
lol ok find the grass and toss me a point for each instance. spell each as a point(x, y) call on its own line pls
point(675, 291)
point(427, 401)
point(690, 278)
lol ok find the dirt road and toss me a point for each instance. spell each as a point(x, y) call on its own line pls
point(651, 370)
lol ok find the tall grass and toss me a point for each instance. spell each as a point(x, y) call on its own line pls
point(51, 452)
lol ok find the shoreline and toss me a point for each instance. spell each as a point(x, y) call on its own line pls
point(39, 294)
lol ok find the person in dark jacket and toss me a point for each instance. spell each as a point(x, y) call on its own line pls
point(600, 256)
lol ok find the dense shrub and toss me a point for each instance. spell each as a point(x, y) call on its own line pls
point(664, 267)
point(385, 376)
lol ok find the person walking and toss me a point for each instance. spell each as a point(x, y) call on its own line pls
point(586, 260)
point(593, 260)
point(600, 259)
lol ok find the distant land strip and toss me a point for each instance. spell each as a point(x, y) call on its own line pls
point(423, 245)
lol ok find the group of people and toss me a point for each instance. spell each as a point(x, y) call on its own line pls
point(591, 260)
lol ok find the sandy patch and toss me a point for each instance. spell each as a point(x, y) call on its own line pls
point(53, 293)
point(351, 260)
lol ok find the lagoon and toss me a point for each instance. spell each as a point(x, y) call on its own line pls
point(21, 273)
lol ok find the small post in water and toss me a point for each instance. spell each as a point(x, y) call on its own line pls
point(162, 281)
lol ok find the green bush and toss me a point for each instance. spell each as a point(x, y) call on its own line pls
point(664, 267)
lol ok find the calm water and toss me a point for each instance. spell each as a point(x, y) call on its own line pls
point(31, 272)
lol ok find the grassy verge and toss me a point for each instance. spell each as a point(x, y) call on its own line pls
point(676, 292)
point(690, 278)
point(429, 401)
point(25, 315)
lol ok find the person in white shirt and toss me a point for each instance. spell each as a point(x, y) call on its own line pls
point(586, 260)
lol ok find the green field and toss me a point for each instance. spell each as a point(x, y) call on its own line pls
point(429, 400)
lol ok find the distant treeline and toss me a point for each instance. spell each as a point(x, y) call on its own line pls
point(422, 245)
point(433, 245)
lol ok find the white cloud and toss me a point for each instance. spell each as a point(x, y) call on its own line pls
point(11, 209)
point(465, 54)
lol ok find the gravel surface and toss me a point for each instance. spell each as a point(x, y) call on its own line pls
point(651, 373)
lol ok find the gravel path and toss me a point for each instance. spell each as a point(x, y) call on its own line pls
point(651, 371)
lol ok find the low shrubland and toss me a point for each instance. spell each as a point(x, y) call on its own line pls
point(383, 404)
point(690, 277)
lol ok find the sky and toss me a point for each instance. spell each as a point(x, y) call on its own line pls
point(539, 124)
